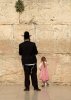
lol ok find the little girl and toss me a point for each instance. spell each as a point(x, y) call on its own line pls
point(43, 75)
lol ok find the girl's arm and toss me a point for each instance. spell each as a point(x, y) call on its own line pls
point(40, 66)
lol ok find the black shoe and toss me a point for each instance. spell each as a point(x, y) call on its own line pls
point(37, 89)
point(26, 89)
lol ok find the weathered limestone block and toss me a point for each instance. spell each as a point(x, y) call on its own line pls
point(9, 64)
point(66, 75)
point(53, 38)
point(63, 69)
point(48, 1)
point(6, 32)
point(20, 29)
point(47, 13)
point(61, 13)
point(68, 2)
point(65, 61)
point(8, 47)
point(28, 16)
point(11, 70)
point(36, 14)
point(8, 1)
point(8, 14)
point(57, 77)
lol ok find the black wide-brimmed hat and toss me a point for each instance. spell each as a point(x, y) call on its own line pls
point(26, 35)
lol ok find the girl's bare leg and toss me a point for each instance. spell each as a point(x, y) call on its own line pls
point(43, 83)
point(47, 83)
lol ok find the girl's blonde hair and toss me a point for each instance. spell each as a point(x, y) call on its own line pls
point(43, 59)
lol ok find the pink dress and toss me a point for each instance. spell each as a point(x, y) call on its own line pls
point(43, 75)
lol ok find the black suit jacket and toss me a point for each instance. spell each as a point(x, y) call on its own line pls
point(28, 51)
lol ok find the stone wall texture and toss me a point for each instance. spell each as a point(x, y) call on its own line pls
point(49, 23)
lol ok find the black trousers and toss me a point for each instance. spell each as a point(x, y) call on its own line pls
point(31, 71)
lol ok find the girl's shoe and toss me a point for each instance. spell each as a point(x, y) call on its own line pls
point(47, 84)
point(43, 85)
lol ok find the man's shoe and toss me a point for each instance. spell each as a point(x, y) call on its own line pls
point(26, 89)
point(37, 89)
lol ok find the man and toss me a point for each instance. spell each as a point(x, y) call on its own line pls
point(28, 52)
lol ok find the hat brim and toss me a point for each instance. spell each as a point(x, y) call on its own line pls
point(29, 35)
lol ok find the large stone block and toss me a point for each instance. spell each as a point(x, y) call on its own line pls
point(29, 14)
point(36, 13)
point(63, 70)
point(53, 38)
point(6, 32)
point(47, 1)
point(47, 13)
point(8, 47)
point(39, 1)
point(8, 14)
point(11, 70)
point(7, 1)
point(68, 2)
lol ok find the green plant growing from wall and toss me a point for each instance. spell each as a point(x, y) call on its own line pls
point(19, 7)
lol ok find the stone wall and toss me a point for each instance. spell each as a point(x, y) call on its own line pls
point(49, 23)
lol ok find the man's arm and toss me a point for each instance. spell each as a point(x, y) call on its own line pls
point(35, 49)
point(20, 51)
